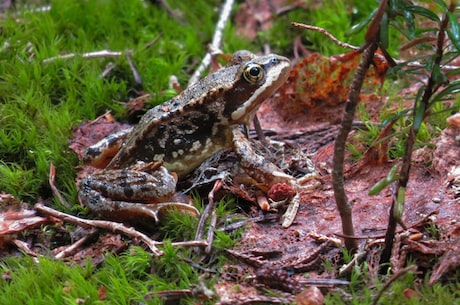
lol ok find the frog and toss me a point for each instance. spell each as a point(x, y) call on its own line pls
point(174, 138)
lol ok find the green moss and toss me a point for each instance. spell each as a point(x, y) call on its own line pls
point(42, 101)
point(127, 278)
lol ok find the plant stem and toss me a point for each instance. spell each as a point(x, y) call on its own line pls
point(430, 88)
point(339, 148)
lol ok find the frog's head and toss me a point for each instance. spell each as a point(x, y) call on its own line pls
point(255, 81)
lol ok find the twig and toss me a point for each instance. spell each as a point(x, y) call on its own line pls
point(198, 266)
point(325, 33)
point(116, 227)
point(95, 54)
point(291, 212)
point(206, 213)
point(216, 41)
point(76, 245)
point(24, 247)
point(108, 68)
point(343, 205)
point(341, 199)
point(136, 75)
point(259, 131)
point(177, 15)
point(153, 41)
point(355, 48)
point(357, 258)
point(56, 192)
point(103, 224)
point(211, 229)
point(189, 243)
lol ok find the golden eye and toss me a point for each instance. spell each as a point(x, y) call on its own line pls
point(253, 73)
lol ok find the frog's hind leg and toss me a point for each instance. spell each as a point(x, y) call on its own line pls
point(129, 195)
point(131, 212)
point(118, 210)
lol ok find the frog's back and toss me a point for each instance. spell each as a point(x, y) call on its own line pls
point(183, 131)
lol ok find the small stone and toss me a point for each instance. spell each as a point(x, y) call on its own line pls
point(310, 296)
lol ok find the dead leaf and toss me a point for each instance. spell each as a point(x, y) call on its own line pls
point(89, 133)
point(12, 222)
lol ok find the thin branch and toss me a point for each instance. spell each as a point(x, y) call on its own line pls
point(216, 41)
point(208, 211)
point(137, 77)
point(325, 33)
point(55, 190)
point(343, 205)
point(73, 248)
point(95, 54)
point(188, 243)
point(341, 199)
point(355, 48)
point(26, 249)
point(102, 224)
point(118, 228)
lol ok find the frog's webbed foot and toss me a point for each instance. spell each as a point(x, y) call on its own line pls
point(177, 206)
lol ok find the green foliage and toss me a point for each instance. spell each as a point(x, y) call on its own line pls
point(364, 288)
point(57, 284)
point(406, 25)
point(340, 15)
point(126, 279)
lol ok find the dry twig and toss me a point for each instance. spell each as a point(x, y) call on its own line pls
point(103, 224)
point(209, 210)
point(369, 48)
point(325, 33)
point(216, 41)
point(73, 248)
point(116, 227)
point(95, 54)
point(55, 190)
point(396, 276)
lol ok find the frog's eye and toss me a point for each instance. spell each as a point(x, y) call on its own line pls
point(253, 73)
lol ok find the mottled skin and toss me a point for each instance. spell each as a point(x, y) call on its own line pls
point(182, 133)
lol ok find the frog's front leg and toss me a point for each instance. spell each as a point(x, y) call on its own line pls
point(131, 194)
point(257, 167)
point(268, 174)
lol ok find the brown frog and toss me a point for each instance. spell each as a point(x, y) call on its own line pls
point(182, 133)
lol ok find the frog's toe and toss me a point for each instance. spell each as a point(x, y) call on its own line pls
point(177, 206)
